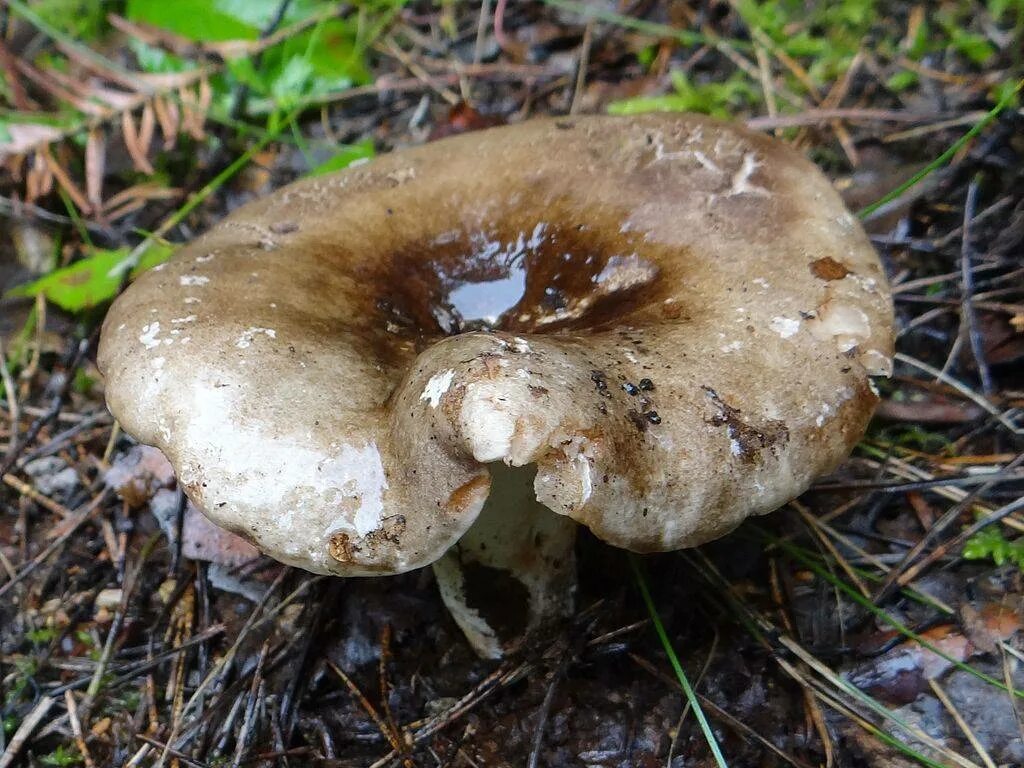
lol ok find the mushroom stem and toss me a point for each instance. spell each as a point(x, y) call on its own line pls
point(513, 570)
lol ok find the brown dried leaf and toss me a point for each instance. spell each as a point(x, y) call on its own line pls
point(168, 117)
point(133, 143)
point(95, 167)
point(462, 118)
point(39, 181)
point(147, 127)
point(65, 181)
point(135, 476)
point(900, 674)
point(203, 540)
point(989, 626)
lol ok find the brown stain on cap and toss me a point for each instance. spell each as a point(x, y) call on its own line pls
point(827, 268)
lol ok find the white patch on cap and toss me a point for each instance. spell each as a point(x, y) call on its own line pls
point(843, 322)
point(149, 334)
point(741, 183)
point(826, 411)
point(583, 467)
point(250, 334)
point(193, 280)
point(262, 472)
point(439, 384)
point(365, 466)
point(621, 273)
point(784, 326)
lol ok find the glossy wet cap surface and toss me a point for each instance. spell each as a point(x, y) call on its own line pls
point(673, 318)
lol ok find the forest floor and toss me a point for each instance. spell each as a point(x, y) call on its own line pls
point(874, 621)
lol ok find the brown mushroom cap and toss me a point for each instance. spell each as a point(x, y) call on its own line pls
point(673, 318)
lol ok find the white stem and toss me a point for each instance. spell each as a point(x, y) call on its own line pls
point(513, 570)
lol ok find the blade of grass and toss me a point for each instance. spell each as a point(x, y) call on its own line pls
point(774, 638)
point(946, 156)
point(877, 732)
point(903, 629)
point(659, 627)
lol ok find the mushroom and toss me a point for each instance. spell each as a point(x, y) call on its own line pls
point(652, 326)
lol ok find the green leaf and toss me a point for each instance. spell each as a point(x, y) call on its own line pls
point(83, 382)
point(641, 104)
point(975, 47)
point(350, 154)
point(90, 281)
point(41, 636)
point(61, 757)
point(920, 45)
point(645, 56)
point(245, 71)
point(718, 99)
point(989, 543)
point(982, 544)
point(902, 80)
point(83, 19)
point(291, 83)
point(199, 20)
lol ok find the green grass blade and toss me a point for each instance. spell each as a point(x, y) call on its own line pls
point(946, 156)
point(880, 613)
point(691, 695)
point(749, 617)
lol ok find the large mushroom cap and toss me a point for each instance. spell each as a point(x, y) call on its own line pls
point(673, 318)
